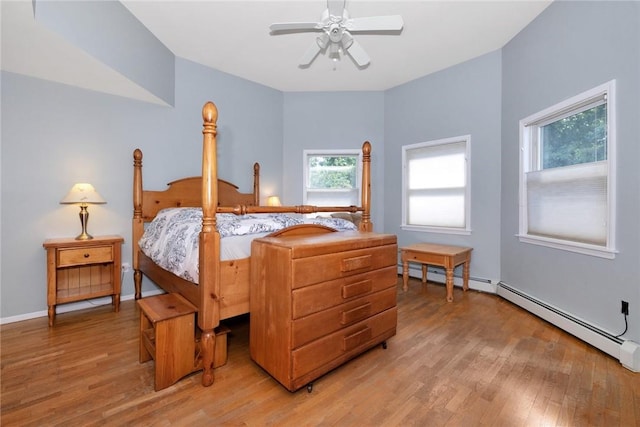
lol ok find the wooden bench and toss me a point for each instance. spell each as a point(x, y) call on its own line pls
point(168, 336)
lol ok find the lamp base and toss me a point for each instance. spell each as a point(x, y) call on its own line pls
point(84, 219)
point(84, 236)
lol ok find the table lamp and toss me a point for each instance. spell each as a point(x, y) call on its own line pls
point(273, 201)
point(83, 194)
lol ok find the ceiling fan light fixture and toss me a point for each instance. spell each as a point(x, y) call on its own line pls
point(346, 41)
point(334, 49)
point(322, 42)
point(336, 25)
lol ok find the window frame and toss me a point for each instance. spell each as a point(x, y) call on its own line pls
point(466, 230)
point(530, 161)
point(331, 153)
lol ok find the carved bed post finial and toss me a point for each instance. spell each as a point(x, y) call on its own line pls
point(365, 224)
point(137, 183)
point(210, 113)
point(256, 184)
point(209, 166)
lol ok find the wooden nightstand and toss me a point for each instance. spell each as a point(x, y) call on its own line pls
point(82, 269)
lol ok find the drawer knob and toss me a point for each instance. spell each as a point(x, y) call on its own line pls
point(86, 255)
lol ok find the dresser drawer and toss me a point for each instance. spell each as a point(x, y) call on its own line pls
point(93, 255)
point(325, 322)
point(307, 271)
point(312, 299)
point(350, 340)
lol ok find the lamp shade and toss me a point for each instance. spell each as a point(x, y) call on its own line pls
point(273, 201)
point(83, 193)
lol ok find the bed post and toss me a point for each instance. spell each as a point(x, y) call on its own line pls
point(256, 184)
point(365, 224)
point(209, 282)
point(137, 222)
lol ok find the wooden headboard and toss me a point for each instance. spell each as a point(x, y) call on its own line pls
point(187, 192)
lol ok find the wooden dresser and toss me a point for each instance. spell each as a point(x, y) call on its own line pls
point(320, 300)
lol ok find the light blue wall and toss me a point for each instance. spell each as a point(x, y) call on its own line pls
point(334, 120)
point(572, 47)
point(109, 32)
point(54, 135)
point(461, 100)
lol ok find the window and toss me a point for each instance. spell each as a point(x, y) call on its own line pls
point(436, 186)
point(332, 178)
point(567, 180)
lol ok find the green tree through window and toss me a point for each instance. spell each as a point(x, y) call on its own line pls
point(332, 172)
point(576, 139)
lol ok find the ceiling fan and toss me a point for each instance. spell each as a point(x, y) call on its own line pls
point(336, 27)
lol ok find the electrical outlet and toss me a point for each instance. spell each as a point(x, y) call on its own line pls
point(126, 267)
point(625, 308)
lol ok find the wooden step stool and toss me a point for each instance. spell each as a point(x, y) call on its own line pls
point(168, 336)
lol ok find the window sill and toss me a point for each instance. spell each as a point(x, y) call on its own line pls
point(442, 230)
point(581, 248)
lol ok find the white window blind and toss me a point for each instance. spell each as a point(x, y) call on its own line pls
point(333, 197)
point(569, 203)
point(435, 184)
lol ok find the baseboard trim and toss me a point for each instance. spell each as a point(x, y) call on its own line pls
point(438, 276)
point(628, 352)
point(73, 306)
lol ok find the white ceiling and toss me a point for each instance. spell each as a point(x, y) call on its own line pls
point(233, 37)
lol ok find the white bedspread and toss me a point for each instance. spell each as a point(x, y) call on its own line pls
point(171, 239)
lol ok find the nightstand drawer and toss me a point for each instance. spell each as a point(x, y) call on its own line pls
point(94, 255)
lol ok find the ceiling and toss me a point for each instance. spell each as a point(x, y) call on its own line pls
point(233, 37)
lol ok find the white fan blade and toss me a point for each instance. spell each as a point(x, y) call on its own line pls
point(291, 26)
point(310, 54)
point(375, 23)
point(358, 54)
point(336, 7)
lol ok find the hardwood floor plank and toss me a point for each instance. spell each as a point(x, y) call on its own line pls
point(479, 361)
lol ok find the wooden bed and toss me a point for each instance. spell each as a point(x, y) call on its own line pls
point(223, 289)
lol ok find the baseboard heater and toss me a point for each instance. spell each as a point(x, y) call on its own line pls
point(628, 352)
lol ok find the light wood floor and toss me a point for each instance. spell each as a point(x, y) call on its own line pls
point(477, 361)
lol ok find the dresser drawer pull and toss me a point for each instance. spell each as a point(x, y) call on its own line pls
point(358, 288)
point(356, 314)
point(356, 263)
point(86, 255)
point(354, 340)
